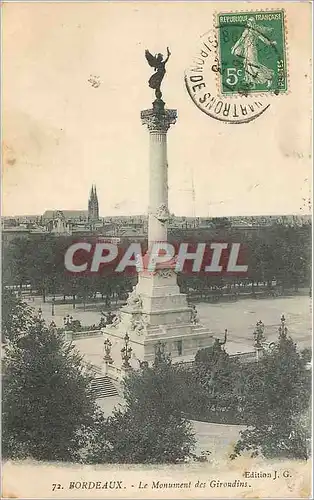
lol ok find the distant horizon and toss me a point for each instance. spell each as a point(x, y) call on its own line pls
point(175, 215)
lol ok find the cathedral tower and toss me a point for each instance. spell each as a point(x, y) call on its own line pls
point(93, 207)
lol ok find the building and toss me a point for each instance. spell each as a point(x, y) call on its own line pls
point(93, 206)
point(76, 216)
point(68, 215)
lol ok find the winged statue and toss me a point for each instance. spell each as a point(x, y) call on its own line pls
point(159, 64)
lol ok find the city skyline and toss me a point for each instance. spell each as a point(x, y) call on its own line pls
point(85, 212)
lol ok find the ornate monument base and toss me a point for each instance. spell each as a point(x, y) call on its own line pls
point(156, 312)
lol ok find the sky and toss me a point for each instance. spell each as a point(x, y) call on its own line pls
point(61, 134)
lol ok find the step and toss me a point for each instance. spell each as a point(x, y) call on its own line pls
point(103, 387)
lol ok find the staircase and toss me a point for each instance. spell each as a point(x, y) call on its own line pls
point(103, 387)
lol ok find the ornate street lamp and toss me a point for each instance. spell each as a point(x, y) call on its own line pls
point(107, 348)
point(283, 330)
point(126, 352)
point(67, 320)
point(259, 337)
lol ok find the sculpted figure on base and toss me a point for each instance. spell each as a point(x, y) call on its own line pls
point(134, 300)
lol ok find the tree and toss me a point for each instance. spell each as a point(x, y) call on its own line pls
point(37, 260)
point(275, 397)
point(17, 317)
point(48, 411)
point(291, 249)
point(221, 222)
point(17, 261)
point(213, 384)
point(151, 428)
point(261, 263)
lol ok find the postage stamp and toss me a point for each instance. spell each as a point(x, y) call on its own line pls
point(252, 52)
point(201, 79)
point(240, 63)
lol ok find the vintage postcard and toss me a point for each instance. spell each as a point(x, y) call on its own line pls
point(156, 250)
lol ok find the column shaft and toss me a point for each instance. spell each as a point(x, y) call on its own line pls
point(158, 120)
point(158, 186)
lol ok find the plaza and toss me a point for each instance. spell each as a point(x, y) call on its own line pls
point(239, 318)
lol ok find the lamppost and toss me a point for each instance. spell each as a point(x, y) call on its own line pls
point(283, 330)
point(107, 348)
point(259, 334)
point(53, 306)
point(67, 320)
point(126, 352)
point(259, 338)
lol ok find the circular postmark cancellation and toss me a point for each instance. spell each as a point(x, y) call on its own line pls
point(239, 66)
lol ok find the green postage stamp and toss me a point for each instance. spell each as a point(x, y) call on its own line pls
point(252, 52)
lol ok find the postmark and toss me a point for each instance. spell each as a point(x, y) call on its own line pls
point(252, 52)
point(217, 80)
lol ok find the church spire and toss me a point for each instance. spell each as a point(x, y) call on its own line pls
point(93, 208)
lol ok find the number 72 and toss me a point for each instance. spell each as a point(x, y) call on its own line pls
point(56, 486)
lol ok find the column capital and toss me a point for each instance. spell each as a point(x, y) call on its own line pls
point(158, 119)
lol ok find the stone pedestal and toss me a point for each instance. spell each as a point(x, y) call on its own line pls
point(68, 336)
point(156, 311)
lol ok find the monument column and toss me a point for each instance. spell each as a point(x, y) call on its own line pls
point(158, 120)
point(156, 311)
